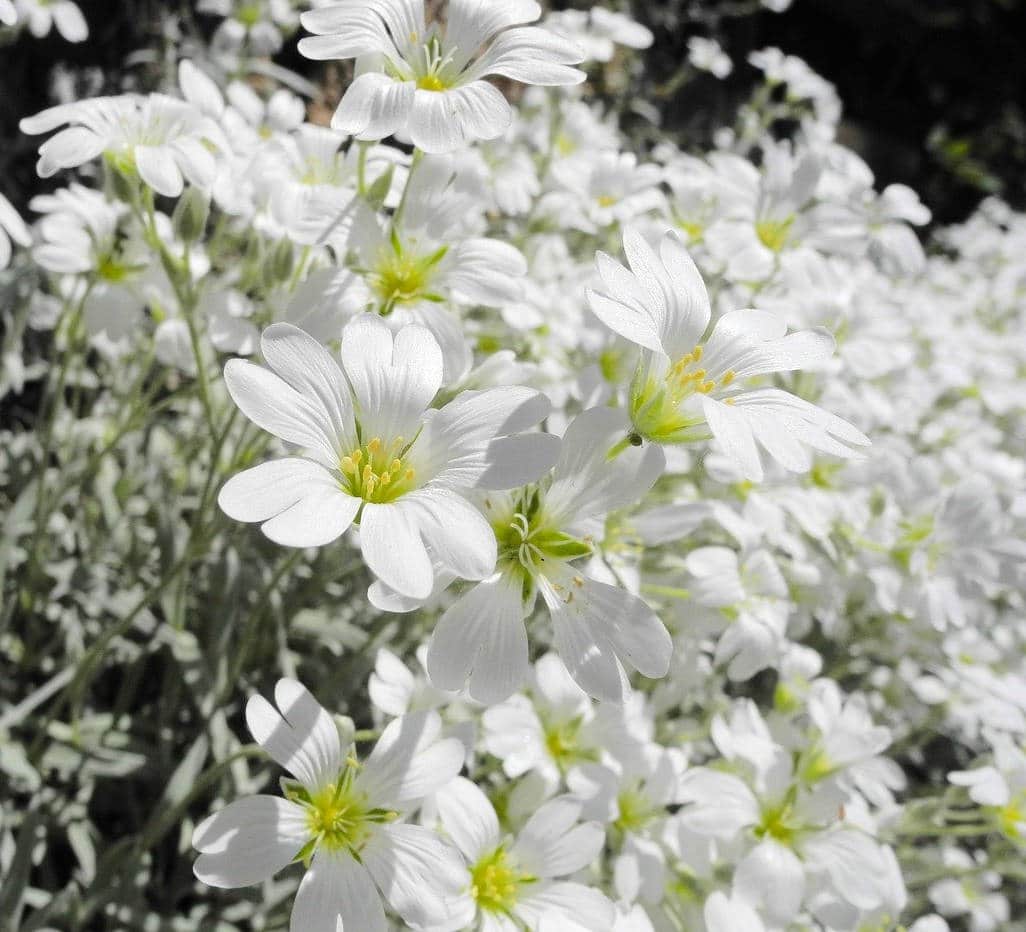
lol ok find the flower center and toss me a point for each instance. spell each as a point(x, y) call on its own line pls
point(773, 234)
point(338, 816)
point(431, 67)
point(686, 377)
point(249, 14)
point(431, 82)
point(110, 270)
point(563, 742)
point(495, 882)
point(635, 810)
point(402, 277)
point(656, 404)
point(778, 823)
point(377, 472)
point(606, 200)
point(338, 820)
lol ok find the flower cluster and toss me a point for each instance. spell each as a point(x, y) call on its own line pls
point(655, 518)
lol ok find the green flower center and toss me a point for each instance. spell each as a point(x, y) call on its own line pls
point(563, 742)
point(778, 823)
point(401, 277)
point(527, 540)
point(635, 810)
point(338, 816)
point(249, 14)
point(338, 820)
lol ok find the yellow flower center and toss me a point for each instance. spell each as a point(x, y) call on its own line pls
point(431, 82)
point(693, 228)
point(773, 234)
point(495, 882)
point(606, 200)
point(400, 279)
point(656, 404)
point(1011, 817)
point(377, 472)
point(110, 270)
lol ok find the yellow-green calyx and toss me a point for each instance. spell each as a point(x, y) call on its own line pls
point(339, 817)
point(495, 882)
point(378, 472)
point(402, 277)
point(657, 403)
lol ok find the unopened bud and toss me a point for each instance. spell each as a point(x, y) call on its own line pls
point(189, 219)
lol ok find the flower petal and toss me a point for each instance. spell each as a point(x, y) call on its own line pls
point(394, 551)
point(410, 761)
point(337, 893)
point(422, 877)
point(468, 818)
point(274, 405)
point(298, 500)
point(482, 637)
point(394, 377)
point(157, 167)
point(300, 735)
point(249, 841)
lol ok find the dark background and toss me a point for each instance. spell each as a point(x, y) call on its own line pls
point(934, 91)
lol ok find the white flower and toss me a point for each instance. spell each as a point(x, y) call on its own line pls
point(426, 81)
point(797, 839)
point(12, 228)
point(515, 882)
point(8, 13)
point(601, 189)
point(549, 733)
point(598, 31)
point(632, 793)
point(689, 386)
point(707, 55)
point(429, 265)
point(42, 15)
point(162, 139)
point(753, 594)
point(376, 454)
point(730, 914)
point(541, 531)
point(341, 818)
point(82, 234)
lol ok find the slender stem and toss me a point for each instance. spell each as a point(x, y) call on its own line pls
point(397, 217)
